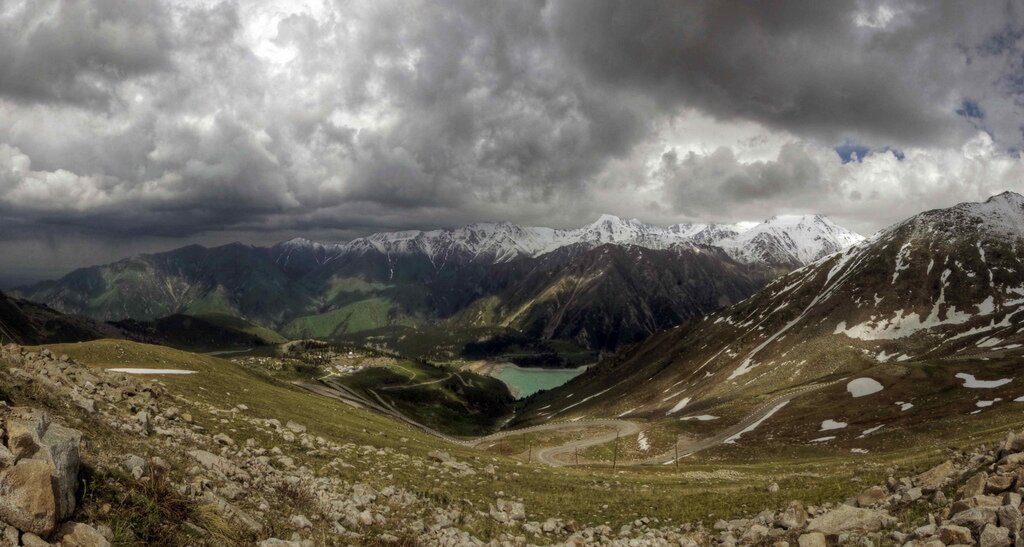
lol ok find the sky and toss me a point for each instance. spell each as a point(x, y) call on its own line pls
point(132, 126)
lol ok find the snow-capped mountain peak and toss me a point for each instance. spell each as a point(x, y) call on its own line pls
point(787, 240)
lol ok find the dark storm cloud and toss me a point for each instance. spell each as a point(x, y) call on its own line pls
point(76, 52)
point(183, 117)
point(802, 66)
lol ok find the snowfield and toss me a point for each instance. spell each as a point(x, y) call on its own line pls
point(863, 386)
point(700, 418)
point(971, 382)
point(829, 425)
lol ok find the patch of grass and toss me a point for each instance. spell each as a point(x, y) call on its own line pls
point(358, 316)
point(147, 512)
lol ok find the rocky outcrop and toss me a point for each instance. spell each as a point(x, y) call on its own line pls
point(37, 489)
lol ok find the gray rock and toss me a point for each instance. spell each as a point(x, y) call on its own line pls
point(850, 519)
point(76, 534)
point(936, 476)
point(952, 534)
point(300, 521)
point(976, 518)
point(794, 516)
point(812, 539)
point(872, 496)
point(994, 536)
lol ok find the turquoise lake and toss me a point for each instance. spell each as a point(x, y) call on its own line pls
point(526, 381)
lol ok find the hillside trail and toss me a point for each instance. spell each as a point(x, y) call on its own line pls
point(557, 456)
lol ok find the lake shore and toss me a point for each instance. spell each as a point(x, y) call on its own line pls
point(525, 381)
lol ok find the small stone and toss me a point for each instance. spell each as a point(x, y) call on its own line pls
point(813, 539)
point(76, 534)
point(794, 516)
point(300, 521)
point(952, 534)
point(28, 539)
point(871, 497)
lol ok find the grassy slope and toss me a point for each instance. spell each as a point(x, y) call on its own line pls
point(456, 402)
point(705, 487)
point(358, 316)
point(241, 325)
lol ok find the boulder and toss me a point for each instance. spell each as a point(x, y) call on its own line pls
point(936, 476)
point(997, 484)
point(1009, 517)
point(846, 518)
point(28, 497)
point(1014, 443)
point(976, 518)
point(31, 435)
point(994, 536)
point(975, 486)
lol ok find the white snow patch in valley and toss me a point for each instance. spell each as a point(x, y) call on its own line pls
point(983, 404)
point(832, 424)
point(823, 439)
point(626, 412)
point(151, 370)
point(753, 426)
point(904, 406)
point(679, 406)
point(700, 418)
point(859, 450)
point(641, 439)
point(971, 382)
point(1019, 399)
point(863, 386)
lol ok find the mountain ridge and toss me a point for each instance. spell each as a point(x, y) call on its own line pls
point(782, 240)
point(937, 296)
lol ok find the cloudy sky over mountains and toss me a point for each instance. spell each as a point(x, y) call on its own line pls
point(134, 125)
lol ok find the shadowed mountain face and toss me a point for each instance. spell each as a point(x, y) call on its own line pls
point(922, 303)
point(25, 322)
point(610, 283)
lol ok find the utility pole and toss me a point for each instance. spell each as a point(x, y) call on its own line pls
point(530, 454)
point(615, 453)
point(577, 456)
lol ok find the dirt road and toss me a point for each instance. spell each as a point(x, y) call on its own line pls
point(552, 455)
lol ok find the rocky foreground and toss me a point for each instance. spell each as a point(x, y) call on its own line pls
point(277, 491)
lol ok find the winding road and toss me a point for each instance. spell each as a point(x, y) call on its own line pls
point(554, 455)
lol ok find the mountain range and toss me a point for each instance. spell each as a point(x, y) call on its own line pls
point(598, 287)
point(926, 316)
